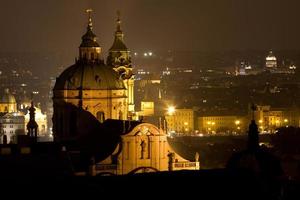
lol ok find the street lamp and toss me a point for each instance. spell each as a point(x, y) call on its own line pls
point(237, 123)
point(171, 110)
point(285, 122)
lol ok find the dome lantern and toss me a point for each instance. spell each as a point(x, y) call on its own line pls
point(89, 50)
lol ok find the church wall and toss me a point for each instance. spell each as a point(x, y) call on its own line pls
point(112, 103)
point(131, 155)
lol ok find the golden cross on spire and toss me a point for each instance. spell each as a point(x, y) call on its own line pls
point(89, 11)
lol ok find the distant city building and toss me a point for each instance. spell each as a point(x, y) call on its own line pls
point(269, 119)
point(12, 124)
point(180, 121)
point(271, 61)
point(147, 108)
point(221, 124)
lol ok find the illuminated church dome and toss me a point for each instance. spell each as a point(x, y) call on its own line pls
point(7, 97)
point(271, 61)
point(93, 76)
point(88, 85)
point(8, 102)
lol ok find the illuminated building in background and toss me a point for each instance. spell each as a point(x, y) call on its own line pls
point(147, 103)
point(89, 85)
point(119, 58)
point(180, 121)
point(147, 108)
point(269, 119)
point(12, 124)
point(271, 61)
point(221, 124)
point(8, 102)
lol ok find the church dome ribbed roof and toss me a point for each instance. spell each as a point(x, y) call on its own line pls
point(89, 76)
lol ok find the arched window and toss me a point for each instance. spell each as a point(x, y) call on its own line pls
point(100, 116)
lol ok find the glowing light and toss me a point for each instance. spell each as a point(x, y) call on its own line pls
point(237, 122)
point(260, 121)
point(145, 54)
point(150, 53)
point(171, 110)
point(185, 123)
point(285, 120)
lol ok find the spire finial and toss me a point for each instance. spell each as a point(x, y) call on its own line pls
point(89, 11)
point(118, 21)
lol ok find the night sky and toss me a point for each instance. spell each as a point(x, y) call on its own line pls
point(158, 25)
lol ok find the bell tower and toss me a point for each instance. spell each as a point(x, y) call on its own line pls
point(119, 58)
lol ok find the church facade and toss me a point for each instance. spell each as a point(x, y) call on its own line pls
point(93, 105)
